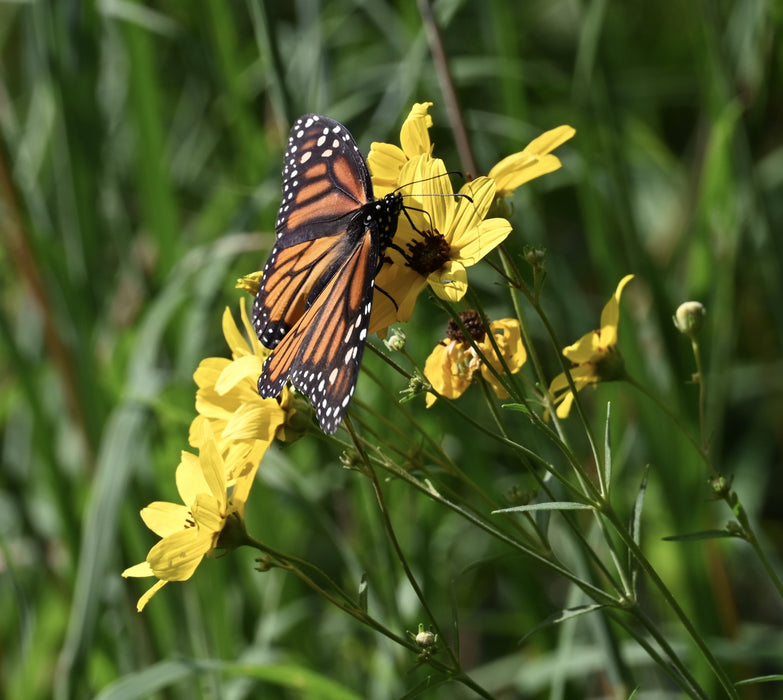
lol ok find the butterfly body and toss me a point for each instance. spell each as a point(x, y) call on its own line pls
point(314, 302)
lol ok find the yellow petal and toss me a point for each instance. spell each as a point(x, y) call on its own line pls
point(385, 162)
point(165, 518)
point(148, 595)
point(176, 557)
point(212, 466)
point(512, 346)
point(611, 313)
point(489, 234)
point(256, 421)
point(250, 283)
point(482, 191)
point(441, 374)
point(139, 570)
point(414, 135)
point(450, 282)
point(234, 337)
point(244, 484)
point(209, 514)
point(238, 371)
point(586, 349)
point(190, 478)
point(550, 140)
point(532, 162)
point(208, 371)
point(565, 405)
point(401, 284)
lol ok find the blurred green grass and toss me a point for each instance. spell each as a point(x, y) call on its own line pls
point(141, 157)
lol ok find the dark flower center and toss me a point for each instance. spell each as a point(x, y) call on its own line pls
point(428, 254)
point(472, 322)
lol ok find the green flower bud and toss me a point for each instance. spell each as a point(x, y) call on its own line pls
point(395, 342)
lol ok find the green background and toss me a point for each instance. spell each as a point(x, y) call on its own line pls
point(140, 176)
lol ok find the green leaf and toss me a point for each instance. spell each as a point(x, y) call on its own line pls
point(553, 505)
point(562, 616)
point(521, 408)
point(635, 526)
point(774, 678)
point(702, 535)
point(608, 449)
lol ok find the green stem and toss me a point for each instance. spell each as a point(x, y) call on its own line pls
point(285, 562)
point(652, 574)
point(702, 391)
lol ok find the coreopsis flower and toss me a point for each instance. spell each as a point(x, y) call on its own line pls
point(452, 365)
point(440, 237)
point(227, 396)
point(533, 161)
point(595, 356)
point(208, 517)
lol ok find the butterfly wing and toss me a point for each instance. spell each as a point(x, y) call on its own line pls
point(314, 302)
point(325, 182)
point(321, 354)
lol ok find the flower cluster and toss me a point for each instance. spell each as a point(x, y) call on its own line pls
point(440, 235)
point(232, 431)
point(452, 366)
point(443, 232)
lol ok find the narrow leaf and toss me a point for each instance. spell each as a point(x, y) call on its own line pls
point(608, 450)
point(773, 678)
point(561, 616)
point(636, 525)
point(364, 588)
point(553, 505)
point(521, 408)
point(703, 535)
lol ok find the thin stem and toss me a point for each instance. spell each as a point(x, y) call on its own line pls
point(652, 574)
point(447, 86)
point(286, 563)
point(702, 392)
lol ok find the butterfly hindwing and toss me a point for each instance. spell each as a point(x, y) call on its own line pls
point(322, 352)
point(315, 298)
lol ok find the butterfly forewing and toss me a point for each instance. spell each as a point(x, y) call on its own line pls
point(315, 298)
point(325, 181)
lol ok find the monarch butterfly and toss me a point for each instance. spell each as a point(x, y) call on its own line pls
point(314, 302)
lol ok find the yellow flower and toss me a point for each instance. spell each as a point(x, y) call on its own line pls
point(595, 356)
point(228, 399)
point(532, 162)
point(193, 529)
point(386, 160)
point(449, 233)
point(451, 367)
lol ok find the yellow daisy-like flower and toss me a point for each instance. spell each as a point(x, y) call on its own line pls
point(533, 161)
point(228, 399)
point(451, 367)
point(193, 529)
point(448, 233)
point(595, 356)
point(386, 160)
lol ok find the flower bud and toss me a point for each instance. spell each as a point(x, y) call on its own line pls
point(424, 638)
point(395, 342)
point(689, 318)
point(250, 283)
